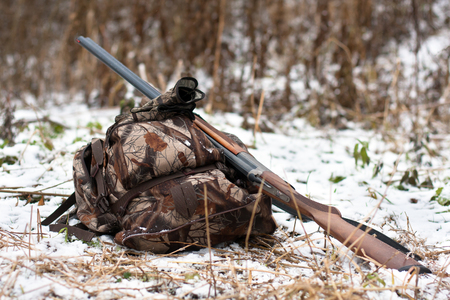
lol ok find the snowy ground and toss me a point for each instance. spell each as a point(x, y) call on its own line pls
point(290, 264)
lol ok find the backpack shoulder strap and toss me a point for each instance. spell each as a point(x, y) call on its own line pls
point(96, 172)
point(80, 233)
point(60, 210)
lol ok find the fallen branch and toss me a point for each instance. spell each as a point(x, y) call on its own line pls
point(23, 122)
point(31, 193)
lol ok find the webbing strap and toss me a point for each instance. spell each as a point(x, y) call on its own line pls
point(73, 230)
point(60, 210)
point(97, 150)
point(119, 207)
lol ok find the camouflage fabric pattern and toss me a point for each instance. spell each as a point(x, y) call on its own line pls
point(139, 151)
point(154, 141)
point(154, 221)
point(86, 193)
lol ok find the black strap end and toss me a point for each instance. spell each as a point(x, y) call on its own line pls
point(60, 210)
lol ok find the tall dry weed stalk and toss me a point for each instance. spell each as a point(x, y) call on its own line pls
point(343, 46)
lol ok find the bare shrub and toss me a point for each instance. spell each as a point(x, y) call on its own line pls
point(340, 51)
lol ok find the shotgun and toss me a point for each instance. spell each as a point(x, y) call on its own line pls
point(362, 240)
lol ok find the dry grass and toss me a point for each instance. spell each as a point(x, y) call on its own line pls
point(274, 267)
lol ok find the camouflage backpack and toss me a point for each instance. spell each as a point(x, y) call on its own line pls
point(156, 177)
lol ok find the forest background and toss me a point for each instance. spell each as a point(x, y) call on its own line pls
point(329, 61)
point(304, 69)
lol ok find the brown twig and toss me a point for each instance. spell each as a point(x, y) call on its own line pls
point(205, 191)
point(258, 116)
point(32, 193)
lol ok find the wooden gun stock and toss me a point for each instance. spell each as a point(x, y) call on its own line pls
point(354, 238)
point(327, 217)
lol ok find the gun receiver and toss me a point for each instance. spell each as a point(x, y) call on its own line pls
point(383, 251)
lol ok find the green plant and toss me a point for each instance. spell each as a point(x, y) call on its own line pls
point(94, 243)
point(411, 178)
point(4, 144)
point(192, 276)
point(360, 154)
point(126, 105)
point(8, 159)
point(126, 275)
point(374, 279)
point(439, 198)
point(336, 179)
point(377, 169)
point(65, 231)
point(93, 126)
point(77, 139)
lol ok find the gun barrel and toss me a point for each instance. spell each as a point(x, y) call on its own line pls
point(115, 65)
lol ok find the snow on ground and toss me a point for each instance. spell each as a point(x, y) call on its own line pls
point(317, 162)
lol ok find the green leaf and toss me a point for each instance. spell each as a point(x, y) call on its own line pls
point(364, 157)
point(191, 276)
point(48, 144)
point(374, 277)
point(401, 187)
point(77, 139)
point(65, 231)
point(356, 154)
point(405, 177)
point(364, 144)
point(437, 194)
point(443, 201)
point(336, 179)
point(372, 193)
point(377, 169)
point(4, 144)
point(127, 275)
point(361, 154)
point(427, 184)
point(8, 159)
point(412, 181)
point(96, 125)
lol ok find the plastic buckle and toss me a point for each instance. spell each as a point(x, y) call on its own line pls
point(102, 203)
